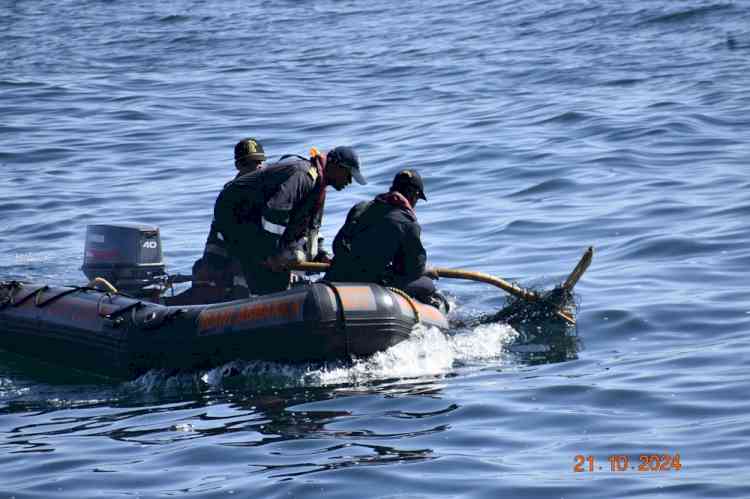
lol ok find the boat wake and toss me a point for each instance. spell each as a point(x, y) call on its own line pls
point(428, 353)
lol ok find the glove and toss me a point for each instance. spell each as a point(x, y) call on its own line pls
point(283, 260)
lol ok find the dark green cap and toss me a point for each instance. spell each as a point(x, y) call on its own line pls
point(249, 148)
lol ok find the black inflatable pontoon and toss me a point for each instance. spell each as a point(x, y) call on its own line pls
point(123, 337)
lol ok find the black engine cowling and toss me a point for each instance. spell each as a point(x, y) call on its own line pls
point(127, 255)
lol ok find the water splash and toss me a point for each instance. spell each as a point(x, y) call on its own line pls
point(429, 352)
point(9, 389)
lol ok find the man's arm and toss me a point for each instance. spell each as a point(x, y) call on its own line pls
point(413, 255)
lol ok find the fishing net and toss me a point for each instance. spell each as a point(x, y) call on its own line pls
point(546, 333)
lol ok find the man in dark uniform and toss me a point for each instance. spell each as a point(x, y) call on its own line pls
point(265, 217)
point(380, 241)
point(215, 271)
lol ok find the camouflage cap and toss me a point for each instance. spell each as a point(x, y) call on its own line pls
point(249, 148)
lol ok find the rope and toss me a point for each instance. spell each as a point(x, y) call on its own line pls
point(515, 290)
point(99, 303)
point(59, 295)
point(410, 300)
point(34, 293)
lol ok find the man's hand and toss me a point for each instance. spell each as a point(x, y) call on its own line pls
point(283, 260)
point(322, 257)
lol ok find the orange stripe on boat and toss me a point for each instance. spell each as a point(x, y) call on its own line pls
point(358, 298)
point(431, 315)
point(404, 305)
point(266, 311)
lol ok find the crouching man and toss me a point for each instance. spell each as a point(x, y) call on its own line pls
point(265, 217)
point(381, 242)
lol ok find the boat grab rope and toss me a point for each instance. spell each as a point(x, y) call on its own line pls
point(403, 294)
point(120, 311)
point(65, 292)
point(99, 303)
point(115, 315)
point(36, 293)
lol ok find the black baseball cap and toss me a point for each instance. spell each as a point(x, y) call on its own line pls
point(410, 178)
point(347, 157)
point(249, 148)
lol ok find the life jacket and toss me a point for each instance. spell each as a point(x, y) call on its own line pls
point(308, 227)
point(318, 159)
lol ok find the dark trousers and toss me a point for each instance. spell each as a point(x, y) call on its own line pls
point(421, 288)
point(262, 281)
point(211, 268)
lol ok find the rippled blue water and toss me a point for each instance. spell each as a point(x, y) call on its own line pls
point(539, 127)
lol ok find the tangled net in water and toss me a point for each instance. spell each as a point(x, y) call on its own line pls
point(544, 336)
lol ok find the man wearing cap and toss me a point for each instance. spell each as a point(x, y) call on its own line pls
point(214, 273)
point(265, 217)
point(380, 241)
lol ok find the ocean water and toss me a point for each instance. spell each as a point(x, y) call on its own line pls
point(540, 128)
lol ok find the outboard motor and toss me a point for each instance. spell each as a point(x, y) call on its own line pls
point(127, 255)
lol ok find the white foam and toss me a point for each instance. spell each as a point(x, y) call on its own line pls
point(429, 352)
point(9, 389)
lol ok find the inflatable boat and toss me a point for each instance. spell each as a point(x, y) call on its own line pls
point(122, 324)
point(123, 337)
